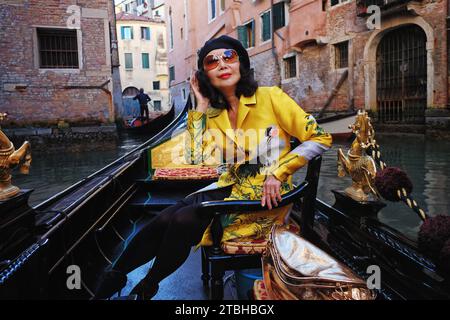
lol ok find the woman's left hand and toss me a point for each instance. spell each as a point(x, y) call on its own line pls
point(271, 192)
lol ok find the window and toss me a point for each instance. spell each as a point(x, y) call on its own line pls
point(157, 105)
point(290, 67)
point(336, 2)
point(127, 7)
point(171, 73)
point(212, 9)
point(127, 33)
point(139, 2)
point(341, 56)
point(266, 32)
point(156, 85)
point(171, 30)
point(130, 92)
point(145, 61)
point(246, 34)
point(145, 33)
point(58, 48)
point(222, 6)
point(157, 13)
point(278, 15)
point(128, 61)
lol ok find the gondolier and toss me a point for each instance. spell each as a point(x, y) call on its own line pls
point(143, 99)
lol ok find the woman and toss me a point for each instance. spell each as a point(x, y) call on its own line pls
point(251, 127)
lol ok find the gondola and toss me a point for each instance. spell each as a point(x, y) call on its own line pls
point(338, 125)
point(142, 125)
point(87, 225)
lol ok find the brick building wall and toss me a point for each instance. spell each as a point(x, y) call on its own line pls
point(32, 95)
point(311, 34)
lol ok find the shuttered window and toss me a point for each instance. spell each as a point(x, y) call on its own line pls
point(128, 61)
point(278, 16)
point(265, 26)
point(145, 33)
point(246, 34)
point(171, 73)
point(126, 33)
point(145, 61)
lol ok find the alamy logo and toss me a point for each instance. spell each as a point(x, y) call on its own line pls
point(374, 280)
point(74, 278)
point(374, 21)
point(73, 22)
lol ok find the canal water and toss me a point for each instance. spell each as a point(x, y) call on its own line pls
point(427, 163)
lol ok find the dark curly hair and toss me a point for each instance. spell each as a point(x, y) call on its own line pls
point(246, 86)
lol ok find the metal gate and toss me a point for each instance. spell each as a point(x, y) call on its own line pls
point(402, 76)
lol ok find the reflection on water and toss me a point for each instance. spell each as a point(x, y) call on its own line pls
point(54, 172)
point(426, 162)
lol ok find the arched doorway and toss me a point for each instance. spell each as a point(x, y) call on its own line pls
point(401, 66)
point(130, 92)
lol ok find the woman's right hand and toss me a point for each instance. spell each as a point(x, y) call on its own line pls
point(202, 102)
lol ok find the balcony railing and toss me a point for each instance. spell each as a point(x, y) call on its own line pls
point(362, 5)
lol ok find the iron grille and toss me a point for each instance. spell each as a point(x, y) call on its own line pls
point(58, 48)
point(402, 76)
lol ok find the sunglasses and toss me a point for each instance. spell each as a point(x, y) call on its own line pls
point(212, 61)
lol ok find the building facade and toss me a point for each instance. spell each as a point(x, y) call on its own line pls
point(390, 57)
point(58, 62)
point(143, 62)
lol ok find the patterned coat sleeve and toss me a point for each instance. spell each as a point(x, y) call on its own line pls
point(303, 126)
point(202, 149)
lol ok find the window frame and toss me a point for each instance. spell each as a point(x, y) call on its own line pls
point(129, 54)
point(222, 10)
point(285, 61)
point(338, 54)
point(171, 78)
point(244, 27)
point(143, 54)
point(285, 15)
point(269, 11)
point(122, 33)
point(37, 50)
point(210, 13)
point(159, 103)
point(149, 33)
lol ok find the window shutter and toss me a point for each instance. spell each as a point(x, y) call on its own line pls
point(252, 44)
point(131, 32)
point(266, 26)
point(242, 35)
point(122, 32)
point(278, 17)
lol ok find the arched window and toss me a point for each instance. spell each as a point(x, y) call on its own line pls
point(130, 92)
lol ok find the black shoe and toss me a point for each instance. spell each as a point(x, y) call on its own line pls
point(145, 290)
point(110, 282)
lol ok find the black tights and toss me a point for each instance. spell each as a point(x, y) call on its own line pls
point(169, 237)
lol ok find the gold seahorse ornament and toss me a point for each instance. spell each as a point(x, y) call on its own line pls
point(9, 159)
point(357, 164)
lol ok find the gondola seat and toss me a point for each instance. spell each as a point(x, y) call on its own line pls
point(235, 255)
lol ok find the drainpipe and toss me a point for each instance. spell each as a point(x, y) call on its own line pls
point(274, 52)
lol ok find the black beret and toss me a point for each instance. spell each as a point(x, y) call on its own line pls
point(224, 42)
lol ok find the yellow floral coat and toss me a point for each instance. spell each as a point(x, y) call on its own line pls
point(258, 148)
